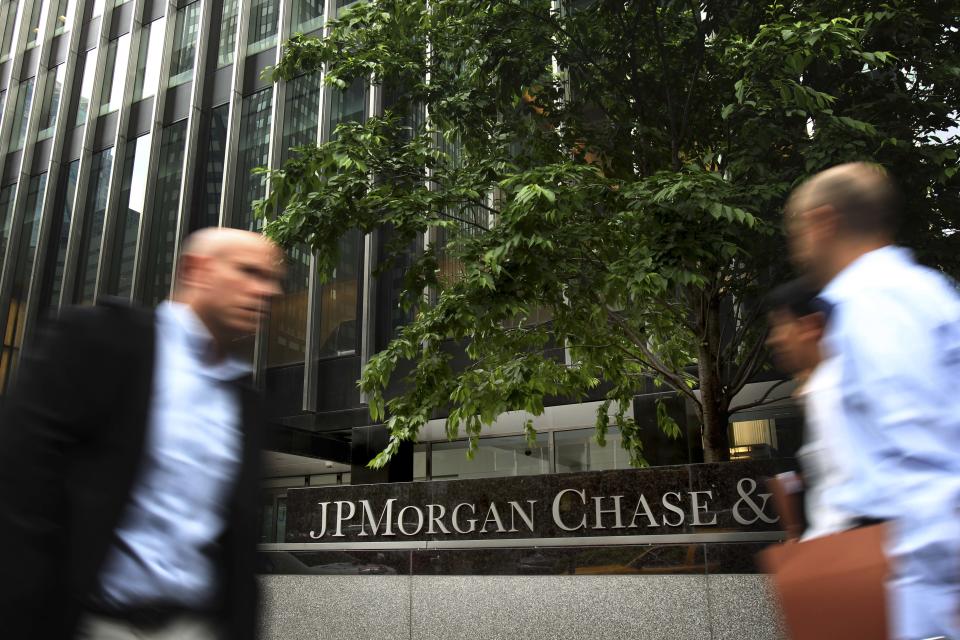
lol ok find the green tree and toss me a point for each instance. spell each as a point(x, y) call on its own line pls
point(606, 178)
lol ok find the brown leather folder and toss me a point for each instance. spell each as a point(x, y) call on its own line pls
point(832, 588)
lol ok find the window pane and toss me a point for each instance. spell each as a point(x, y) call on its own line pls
point(98, 8)
point(130, 213)
point(35, 33)
point(301, 113)
point(21, 114)
point(307, 15)
point(51, 101)
point(148, 61)
point(115, 73)
point(495, 457)
point(86, 86)
point(263, 25)
point(208, 214)
point(6, 217)
point(338, 301)
point(254, 152)
point(287, 333)
point(94, 210)
point(17, 311)
point(578, 451)
point(349, 105)
point(13, 15)
point(184, 44)
point(66, 9)
point(57, 240)
point(228, 32)
point(163, 227)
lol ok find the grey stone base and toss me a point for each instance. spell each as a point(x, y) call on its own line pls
point(657, 607)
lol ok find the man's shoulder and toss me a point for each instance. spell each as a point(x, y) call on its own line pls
point(111, 321)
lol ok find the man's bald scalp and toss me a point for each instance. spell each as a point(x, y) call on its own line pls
point(212, 241)
point(863, 195)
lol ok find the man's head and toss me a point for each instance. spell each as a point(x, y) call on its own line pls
point(838, 215)
point(796, 327)
point(228, 277)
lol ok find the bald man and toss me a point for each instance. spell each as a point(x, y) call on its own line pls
point(128, 461)
point(894, 328)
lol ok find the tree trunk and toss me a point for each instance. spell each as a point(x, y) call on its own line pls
point(715, 404)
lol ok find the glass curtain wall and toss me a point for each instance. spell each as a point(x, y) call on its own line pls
point(129, 216)
point(496, 457)
point(94, 211)
point(57, 240)
point(51, 102)
point(287, 332)
point(264, 15)
point(6, 217)
point(86, 87)
point(66, 9)
point(184, 44)
point(163, 226)
point(21, 114)
point(254, 152)
point(35, 32)
point(307, 16)
point(228, 32)
point(17, 311)
point(147, 80)
point(207, 214)
point(13, 16)
point(115, 73)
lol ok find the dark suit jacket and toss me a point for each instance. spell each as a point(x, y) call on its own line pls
point(72, 435)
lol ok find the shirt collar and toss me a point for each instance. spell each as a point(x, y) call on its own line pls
point(870, 266)
point(179, 321)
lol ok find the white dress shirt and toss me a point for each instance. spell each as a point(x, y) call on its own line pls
point(823, 451)
point(895, 329)
point(177, 511)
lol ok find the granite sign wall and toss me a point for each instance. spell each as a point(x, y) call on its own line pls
point(701, 498)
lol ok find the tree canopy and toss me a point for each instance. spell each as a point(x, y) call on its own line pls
point(588, 193)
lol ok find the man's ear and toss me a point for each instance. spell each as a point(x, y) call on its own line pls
point(192, 269)
point(813, 324)
point(825, 220)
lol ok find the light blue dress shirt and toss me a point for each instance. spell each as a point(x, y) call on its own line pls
point(192, 456)
point(895, 329)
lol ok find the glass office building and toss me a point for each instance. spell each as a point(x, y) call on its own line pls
point(127, 124)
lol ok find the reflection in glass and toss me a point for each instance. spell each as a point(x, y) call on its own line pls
point(21, 114)
point(57, 240)
point(184, 44)
point(287, 332)
point(338, 301)
point(86, 86)
point(98, 6)
point(132, 196)
point(20, 287)
point(95, 209)
point(35, 30)
point(496, 457)
point(149, 59)
point(263, 25)
point(228, 32)
point(66, 9)
point(578, 450)
point(307, 15)
point(301, 113)
point(51, 102)
point(163, 226)
point(254, 152)
point(114, 74)
point(208, 214)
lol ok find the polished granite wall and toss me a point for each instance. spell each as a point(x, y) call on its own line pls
point(498, 607)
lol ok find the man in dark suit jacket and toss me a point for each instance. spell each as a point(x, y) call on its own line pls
point(129, 455)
